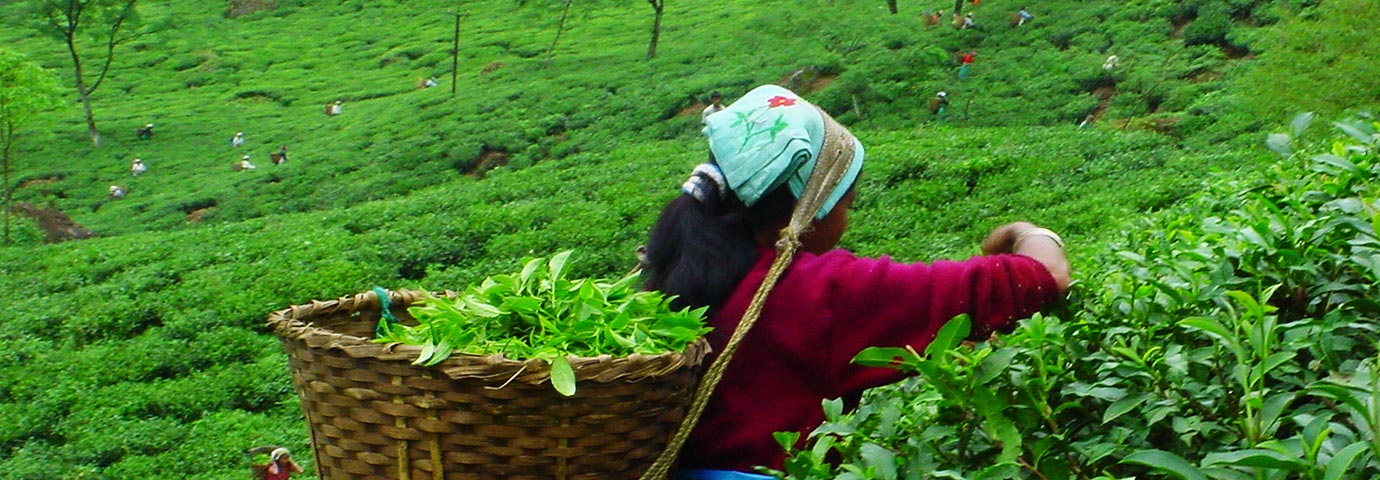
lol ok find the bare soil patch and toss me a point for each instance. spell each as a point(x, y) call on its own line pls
point(57, 226)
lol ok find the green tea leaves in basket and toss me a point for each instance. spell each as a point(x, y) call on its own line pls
point(562, 376)
point(539, 314)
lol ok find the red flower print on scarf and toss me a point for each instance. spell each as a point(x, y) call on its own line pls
point(780, 101)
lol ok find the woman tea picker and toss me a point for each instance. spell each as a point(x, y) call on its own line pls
point(716, 244)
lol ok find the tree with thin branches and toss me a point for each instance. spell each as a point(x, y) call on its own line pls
point(560, 27)
point(105, 24)
point(659, 6)
point(25, 90)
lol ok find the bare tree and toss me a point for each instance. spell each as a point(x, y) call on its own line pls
point(25, 90)
point(659, 6)
point(109, 23)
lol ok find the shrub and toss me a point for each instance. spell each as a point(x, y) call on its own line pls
point(1231, 337)
point(1211, 26)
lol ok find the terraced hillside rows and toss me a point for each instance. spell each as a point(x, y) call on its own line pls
point(139, 348)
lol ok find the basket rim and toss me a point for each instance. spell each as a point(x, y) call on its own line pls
point(292, 325)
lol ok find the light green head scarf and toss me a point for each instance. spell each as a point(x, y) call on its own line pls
point(771, 136)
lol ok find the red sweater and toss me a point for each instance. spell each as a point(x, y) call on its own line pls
point(823, 311)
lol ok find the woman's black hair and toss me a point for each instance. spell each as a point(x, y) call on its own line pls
point(699, 250)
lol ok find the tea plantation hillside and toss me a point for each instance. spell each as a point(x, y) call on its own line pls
point(200, 77)
point(141, 350)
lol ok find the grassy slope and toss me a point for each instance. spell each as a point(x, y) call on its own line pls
point(143, 348)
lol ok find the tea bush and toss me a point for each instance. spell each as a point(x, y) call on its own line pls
point(1229, 337)
point(274, 90)
point(1332, 42)
point(158, 321)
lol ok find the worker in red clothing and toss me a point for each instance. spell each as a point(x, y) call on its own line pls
point(280, 465)
point(965, 62)
point(715, 244)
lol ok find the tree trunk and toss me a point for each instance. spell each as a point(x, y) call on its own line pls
point(958, 7)
point(455, 58)
point(659, 6)
point(90, 117)
point(8, 138)
point(891, 5)
point(68, 22)
point(83, 92)
point(560, 27)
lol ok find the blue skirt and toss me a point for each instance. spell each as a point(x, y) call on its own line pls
point(706, 474)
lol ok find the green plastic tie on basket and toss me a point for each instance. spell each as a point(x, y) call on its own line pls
point(387, 320)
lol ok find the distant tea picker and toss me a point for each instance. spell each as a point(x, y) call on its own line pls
point(243, 164)
point(145, 132)
point(279, 467)
point(279, 157)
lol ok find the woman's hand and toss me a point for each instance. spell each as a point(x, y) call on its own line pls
point(1003, 238)
point(1041, 244)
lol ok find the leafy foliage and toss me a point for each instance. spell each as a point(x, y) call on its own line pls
point(25, 90)
point(197, 78)
point(539, 313)
point(535, 156)
point(1231, 337)
point(1316, 61)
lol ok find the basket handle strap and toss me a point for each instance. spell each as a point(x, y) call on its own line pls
point(386, 318)
point(836, 154)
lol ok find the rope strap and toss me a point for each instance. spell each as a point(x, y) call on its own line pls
point(836, 154)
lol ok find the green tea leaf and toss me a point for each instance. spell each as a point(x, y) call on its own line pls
point(1357, 129)
point(1275, 360)
point(1166, 462)
point(950, 335)
point(880, 458)
point(994, 364)
point(1300, 123)
point(887, 357)
point(1341, 462)
point(557, 263)
point(428, 351)
point(833, 408)
point(1120, 407)
point(786, 440)
point(537, 314)
point(1257, 458)
point(1333, 164)
point(525, 278)
point(441, 352)
point(1280, 144)
point(1350, 396)
point(994, 421)
point(1216, 330)
point(562, 376)
point(522, 305)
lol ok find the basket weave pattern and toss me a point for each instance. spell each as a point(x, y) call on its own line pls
point(375, 415)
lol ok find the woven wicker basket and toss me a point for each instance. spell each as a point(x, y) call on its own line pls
point(375, 415)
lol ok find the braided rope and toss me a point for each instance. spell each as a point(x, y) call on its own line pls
point(836, 154)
